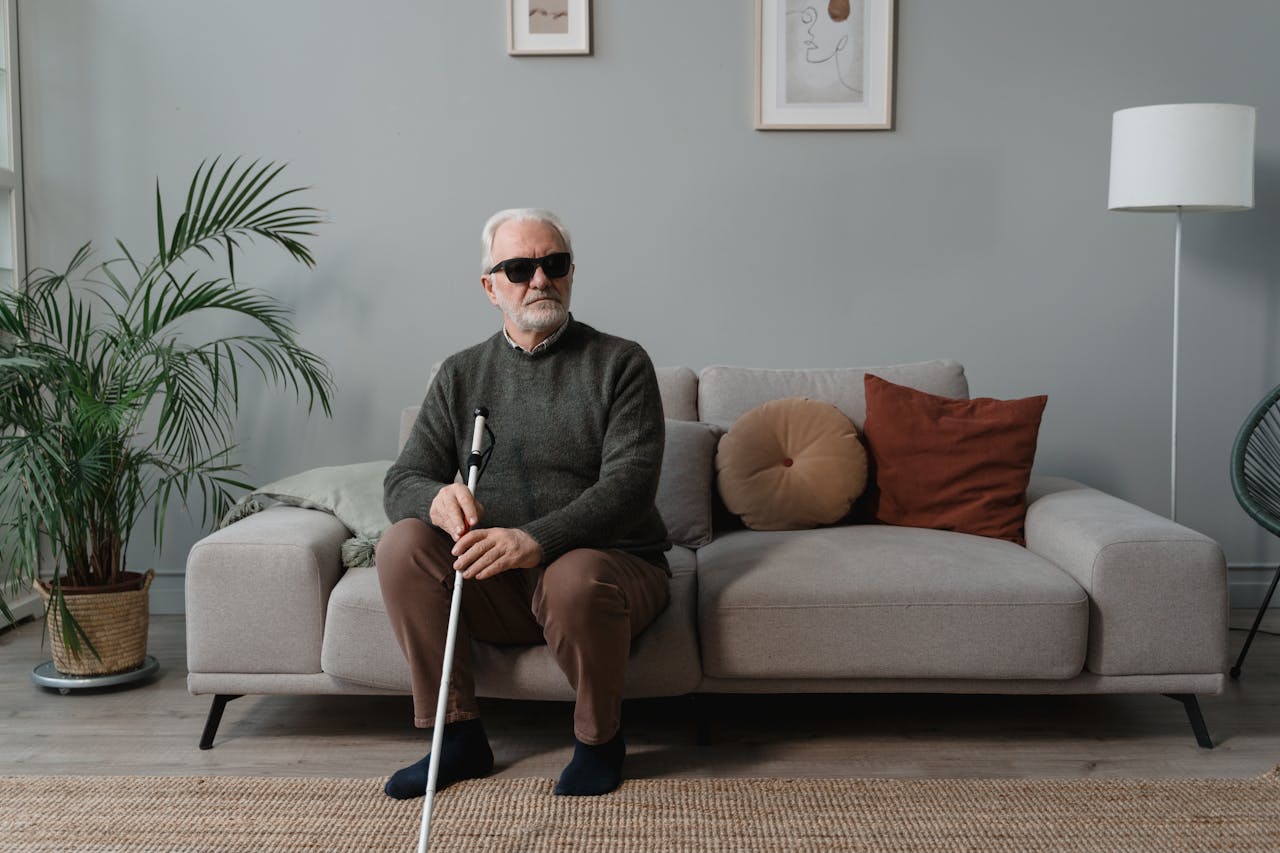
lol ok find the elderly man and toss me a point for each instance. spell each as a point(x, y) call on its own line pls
point(562, 543)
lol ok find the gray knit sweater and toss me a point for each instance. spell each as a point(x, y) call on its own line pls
point(579, 438)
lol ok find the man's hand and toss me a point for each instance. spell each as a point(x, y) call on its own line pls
point(484, 553)
point(455, 510)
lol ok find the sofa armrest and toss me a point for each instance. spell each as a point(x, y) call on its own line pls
point(1157, 590)
point(258, 589)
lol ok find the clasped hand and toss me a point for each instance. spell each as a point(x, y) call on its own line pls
point(480, 553)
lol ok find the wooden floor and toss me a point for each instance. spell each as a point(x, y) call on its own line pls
point(153, 729)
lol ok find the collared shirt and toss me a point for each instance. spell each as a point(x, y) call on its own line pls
point(555, 336)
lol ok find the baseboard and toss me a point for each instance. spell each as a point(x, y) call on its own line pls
point(1248, 583)
point(26, 606)
point(168, 593)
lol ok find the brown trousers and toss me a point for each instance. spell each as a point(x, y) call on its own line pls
point(586, 606)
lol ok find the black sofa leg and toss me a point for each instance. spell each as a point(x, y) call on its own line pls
point(215, 718)
point(701, 719)
point(1189, 702)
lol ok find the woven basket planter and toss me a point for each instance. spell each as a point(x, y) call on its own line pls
point(115, 622)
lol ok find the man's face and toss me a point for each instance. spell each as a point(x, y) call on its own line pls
point(540, 305)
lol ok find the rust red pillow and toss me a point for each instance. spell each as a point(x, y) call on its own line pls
point(950, 464)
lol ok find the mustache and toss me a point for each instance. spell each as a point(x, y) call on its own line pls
point(553, 297)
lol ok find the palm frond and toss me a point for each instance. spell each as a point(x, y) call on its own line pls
point(108, 410)
point(210, 218)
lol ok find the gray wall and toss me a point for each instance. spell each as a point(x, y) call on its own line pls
point(976, 230)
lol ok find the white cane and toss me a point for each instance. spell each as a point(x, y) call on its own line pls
point(455, 607)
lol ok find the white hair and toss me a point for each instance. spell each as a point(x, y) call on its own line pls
point(518, 214)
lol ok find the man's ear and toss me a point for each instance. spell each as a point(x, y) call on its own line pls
point(486, 281)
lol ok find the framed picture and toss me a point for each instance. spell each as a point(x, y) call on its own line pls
point(548, 27)
point(824, 64)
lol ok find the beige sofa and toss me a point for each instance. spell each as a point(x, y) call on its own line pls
point(1105, 598)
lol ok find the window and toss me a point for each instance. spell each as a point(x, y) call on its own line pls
point(26, 603)
point(11, 245)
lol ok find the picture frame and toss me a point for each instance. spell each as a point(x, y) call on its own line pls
point(824, 64)
point(548, 27)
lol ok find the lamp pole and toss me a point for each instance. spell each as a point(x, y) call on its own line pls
point(1173, 431)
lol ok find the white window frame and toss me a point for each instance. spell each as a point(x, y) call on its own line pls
point(11, 178)
point(28, 604)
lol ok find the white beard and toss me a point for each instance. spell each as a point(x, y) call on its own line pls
point(543, 316)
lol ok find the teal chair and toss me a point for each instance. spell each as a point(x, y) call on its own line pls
point(1255, 478)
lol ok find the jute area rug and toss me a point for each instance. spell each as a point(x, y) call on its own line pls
point(47, 813)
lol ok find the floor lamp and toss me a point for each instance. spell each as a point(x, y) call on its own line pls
point(1172, 158)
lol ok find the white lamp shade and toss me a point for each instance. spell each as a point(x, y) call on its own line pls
point(1188, 156)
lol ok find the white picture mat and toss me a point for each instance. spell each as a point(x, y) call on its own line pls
point(875, 110)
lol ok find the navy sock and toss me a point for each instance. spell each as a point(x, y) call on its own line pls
point(464, 754)
point(595, 769)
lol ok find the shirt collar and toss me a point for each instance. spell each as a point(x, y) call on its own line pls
point(542, 347)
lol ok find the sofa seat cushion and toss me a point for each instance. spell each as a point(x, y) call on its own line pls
point(874, 601)
point(359, 646)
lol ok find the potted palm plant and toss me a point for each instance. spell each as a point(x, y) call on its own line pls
point(114, 400)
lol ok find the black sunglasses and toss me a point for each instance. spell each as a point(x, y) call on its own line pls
point(520, 270)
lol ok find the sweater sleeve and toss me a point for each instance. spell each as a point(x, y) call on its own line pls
point(631, 460)
point(428, 461)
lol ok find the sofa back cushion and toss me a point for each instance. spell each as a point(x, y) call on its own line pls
point(686, 485)
point(727, 393)
point(679, 389)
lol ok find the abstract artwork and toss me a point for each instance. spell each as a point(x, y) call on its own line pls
point(549, 16)
point(824, 64)
point(548, 27)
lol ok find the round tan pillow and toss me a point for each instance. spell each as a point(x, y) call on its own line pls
point(791, 464)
